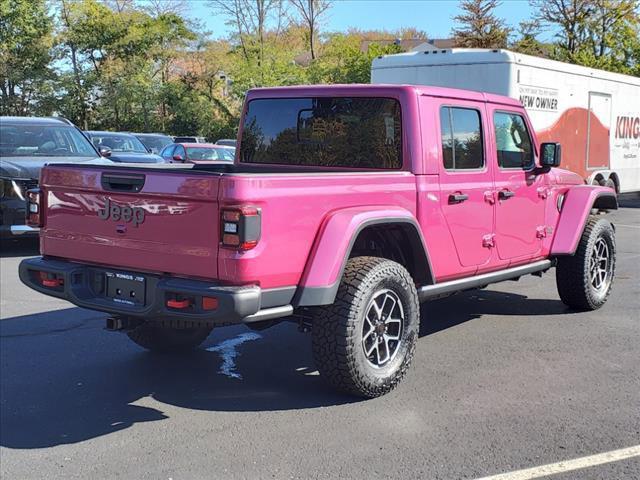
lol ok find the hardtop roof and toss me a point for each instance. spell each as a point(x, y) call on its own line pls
point(363, 90)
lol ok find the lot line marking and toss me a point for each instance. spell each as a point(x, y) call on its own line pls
point(627, 226)
point(568, 465)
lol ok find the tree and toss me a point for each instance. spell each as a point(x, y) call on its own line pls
point(597, 33)
point(570, 17)
point(250, 20)
point(311, 12)
point(479, 27)
point(25, 56)
point(527, 41)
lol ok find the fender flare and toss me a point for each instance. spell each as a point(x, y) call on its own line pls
point(333, 244)
point(576, 207)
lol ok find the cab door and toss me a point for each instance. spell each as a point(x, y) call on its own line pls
point(466, 181)
point(520, 191)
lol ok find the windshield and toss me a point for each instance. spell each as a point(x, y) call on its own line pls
point(210, 153)
point(20, 140)
point(155, 143)
point(118, 142)
point(352, 132)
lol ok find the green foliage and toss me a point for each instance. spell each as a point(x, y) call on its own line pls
point(25, 56)
point(140, 66)
point(478, 25)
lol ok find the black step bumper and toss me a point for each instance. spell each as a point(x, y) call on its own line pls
point(85, 286)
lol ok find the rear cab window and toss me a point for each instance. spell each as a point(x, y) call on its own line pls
point(343, 132)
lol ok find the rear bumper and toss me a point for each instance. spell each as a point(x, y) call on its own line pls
point(84, 286)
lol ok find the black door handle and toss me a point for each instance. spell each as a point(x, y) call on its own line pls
point(458, 197)
point(505, 194)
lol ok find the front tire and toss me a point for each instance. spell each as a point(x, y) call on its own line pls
point(584, 279)
point(162, 339)
point(364, 342)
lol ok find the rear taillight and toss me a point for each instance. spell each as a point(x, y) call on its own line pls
point(240, 227)
point(34, 208)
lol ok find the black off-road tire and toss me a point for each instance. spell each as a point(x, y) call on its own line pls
point(168, 340)
point(337, 333)
point(573, 272)
point(611, 184)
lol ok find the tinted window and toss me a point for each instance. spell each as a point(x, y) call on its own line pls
point(461, 138)
point(209, 153)
point(118, 142)
point(353, 132)
point(155, 143)
point(179, 151)
point(168, 151)
point(20, 140)
point(512, 141)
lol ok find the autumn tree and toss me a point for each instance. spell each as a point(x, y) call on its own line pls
point(478, 26)
point(597, 33)
point(311, 13)
point(527, 40)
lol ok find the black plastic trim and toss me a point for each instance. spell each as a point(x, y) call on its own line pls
point(316, 296)
point(236, 304)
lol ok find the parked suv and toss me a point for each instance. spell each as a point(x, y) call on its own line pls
point(27, 144)
point(347, 207)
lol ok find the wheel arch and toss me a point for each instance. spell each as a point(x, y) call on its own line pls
point(345, 234)
point(576, 208)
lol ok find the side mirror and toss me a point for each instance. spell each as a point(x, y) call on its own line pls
point(550, 154)
point(104, 151)
point(178, 158)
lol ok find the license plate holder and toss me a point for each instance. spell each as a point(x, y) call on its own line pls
point(126, 288)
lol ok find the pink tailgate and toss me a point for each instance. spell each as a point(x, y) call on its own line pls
point(178, 235)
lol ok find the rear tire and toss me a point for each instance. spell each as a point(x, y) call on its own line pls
point(166, 339)
point(584, 279)
point(364, 342)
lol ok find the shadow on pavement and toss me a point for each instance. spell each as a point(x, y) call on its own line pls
point(629, 200)
point(66, 380)
point(23, 247)
point(448, 312)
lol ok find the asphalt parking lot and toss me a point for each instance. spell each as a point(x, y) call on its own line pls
point(505, 378)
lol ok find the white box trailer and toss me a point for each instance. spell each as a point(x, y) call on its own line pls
point(594, 114)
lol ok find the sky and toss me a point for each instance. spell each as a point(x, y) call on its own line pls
point(432, 16)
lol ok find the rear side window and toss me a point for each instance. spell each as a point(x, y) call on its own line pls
point(461, 138)
point(351, 132)
point(512, 141)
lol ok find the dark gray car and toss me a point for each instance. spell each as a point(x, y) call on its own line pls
point(122, 147)
point(26, 145)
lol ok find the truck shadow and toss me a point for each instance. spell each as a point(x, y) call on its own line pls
point(448, 312)
point(21, 247)
point(66, 380)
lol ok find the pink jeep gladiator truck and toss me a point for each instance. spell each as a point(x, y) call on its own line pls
point(345, 208)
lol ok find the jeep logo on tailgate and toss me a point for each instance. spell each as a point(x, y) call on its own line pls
point(116, 212)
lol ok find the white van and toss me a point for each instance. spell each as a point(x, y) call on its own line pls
point(594, 114)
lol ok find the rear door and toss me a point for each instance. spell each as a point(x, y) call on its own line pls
point(598, 127)
point(133, 218)
point(466, 181)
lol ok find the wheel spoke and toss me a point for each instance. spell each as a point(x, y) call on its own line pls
point(385, 352)
point(370, 350)
point(382, 327)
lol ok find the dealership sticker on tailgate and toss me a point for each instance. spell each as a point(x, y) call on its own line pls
point(126, 288)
